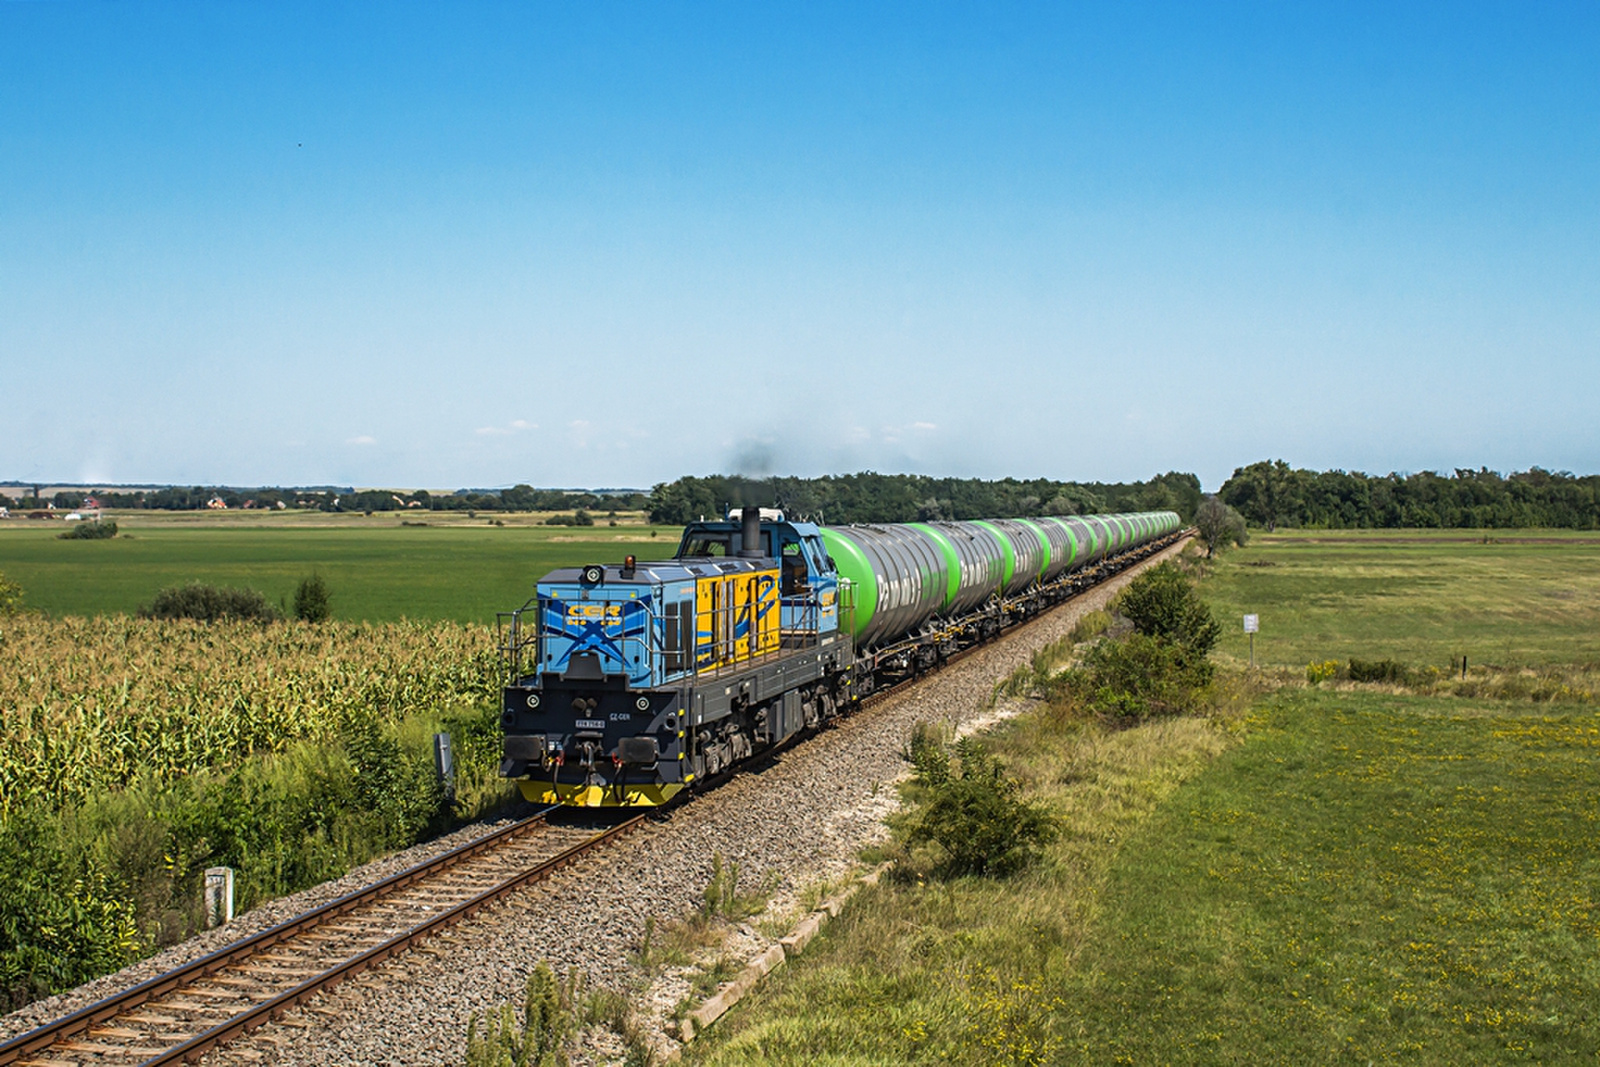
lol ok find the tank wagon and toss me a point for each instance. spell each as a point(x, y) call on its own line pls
point(628, 683)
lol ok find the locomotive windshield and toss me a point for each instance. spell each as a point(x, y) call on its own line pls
point(704, 544)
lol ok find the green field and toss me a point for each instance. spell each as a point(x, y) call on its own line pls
point(1524, 598)
point(1332, 874)
point(376, 569)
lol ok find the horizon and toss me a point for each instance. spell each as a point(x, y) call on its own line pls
point(50, 487)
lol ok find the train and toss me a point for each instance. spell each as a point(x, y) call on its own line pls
point(629, 683)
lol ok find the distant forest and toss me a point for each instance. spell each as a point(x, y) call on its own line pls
point(870, 497)
point(1272, 494)
point(1268, 494)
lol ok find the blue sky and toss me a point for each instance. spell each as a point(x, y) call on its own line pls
point(610, 244)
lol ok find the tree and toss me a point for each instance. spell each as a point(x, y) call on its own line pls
point(311, 600)
point(1219, 524)
point(1268, 493)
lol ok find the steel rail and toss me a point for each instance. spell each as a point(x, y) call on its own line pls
point(77, 1022)
point(198, 1045)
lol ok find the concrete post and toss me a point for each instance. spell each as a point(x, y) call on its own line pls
point(219, 896)
point(444, 763)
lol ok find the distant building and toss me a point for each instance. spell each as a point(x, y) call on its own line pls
point(216, 503)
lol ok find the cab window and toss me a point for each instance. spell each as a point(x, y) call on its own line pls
point(795, 572)
point(706, 546)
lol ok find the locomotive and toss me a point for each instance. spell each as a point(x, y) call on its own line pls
point(629, 683)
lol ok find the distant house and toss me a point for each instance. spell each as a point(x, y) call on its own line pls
point(216, 503)
point(91, 503)
point(5, 513)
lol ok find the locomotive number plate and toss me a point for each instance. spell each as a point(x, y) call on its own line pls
point(590, 724)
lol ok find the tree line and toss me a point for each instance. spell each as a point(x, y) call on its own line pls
point(199, 498)
point(1270, 494)
point(872, 497)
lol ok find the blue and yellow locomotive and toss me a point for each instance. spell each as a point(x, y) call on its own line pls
point(629, 683)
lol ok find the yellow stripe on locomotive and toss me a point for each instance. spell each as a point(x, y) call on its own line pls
point(736, 618)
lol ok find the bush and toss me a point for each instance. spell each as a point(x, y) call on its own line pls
point(10, 596)
point(311, 600)
point(208, 603)
point(1382, 670)
point(1140, 677)
point(1162, 603)
point(89, 531)
point(1322, 671)
point(59, 925)
point(925, 751)
point(978, 820)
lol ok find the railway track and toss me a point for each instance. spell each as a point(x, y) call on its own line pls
point(178, 1016)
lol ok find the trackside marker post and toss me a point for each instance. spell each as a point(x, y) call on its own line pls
point(1252, 623)
point(219, 896)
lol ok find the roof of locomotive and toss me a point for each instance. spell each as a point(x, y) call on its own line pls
point(656, 572)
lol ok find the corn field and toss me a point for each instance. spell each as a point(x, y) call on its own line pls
point(95, 704)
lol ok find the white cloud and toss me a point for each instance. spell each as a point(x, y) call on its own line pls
point(362, 439)
point(515, 426)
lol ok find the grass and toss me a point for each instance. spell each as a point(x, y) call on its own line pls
point(962, 971)
point(376, 569)
point(1349, 874)
point(1523, 599)
point(1372, 878)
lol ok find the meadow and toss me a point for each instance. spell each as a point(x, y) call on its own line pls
point(454, 568)
point(1323, 873)
point(1510, 599)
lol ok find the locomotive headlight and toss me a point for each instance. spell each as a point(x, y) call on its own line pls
point(533, 700)
point(643, 703)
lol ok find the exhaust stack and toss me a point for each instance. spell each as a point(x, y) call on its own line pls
point(752, 533)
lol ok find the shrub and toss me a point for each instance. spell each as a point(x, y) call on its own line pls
point(925, 751)
point(1137, 678)
point(61, 922)
point(1382, 670)
point(1321, 672)
point(311, 600)
point(209, 603)
point(978, 820)
point(89, 531)
point(10, 596)
point(1162, 603)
